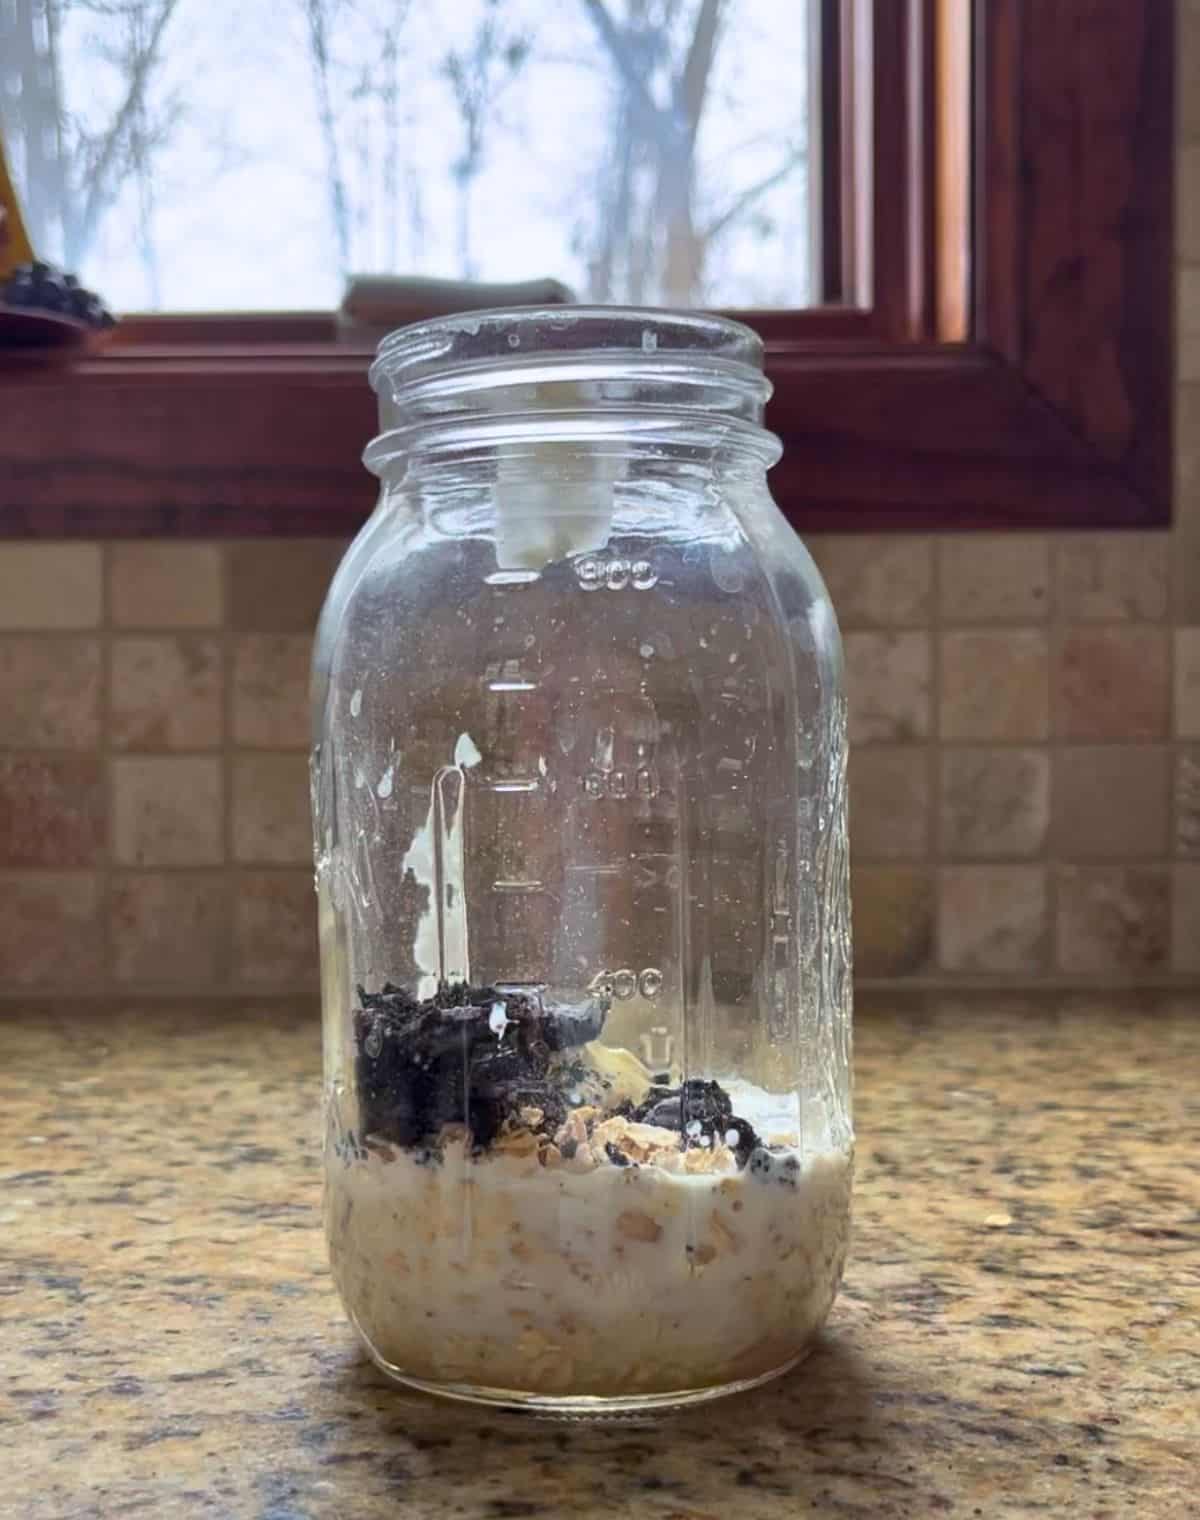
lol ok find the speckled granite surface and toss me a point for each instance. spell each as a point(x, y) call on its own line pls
point(1019, 1333)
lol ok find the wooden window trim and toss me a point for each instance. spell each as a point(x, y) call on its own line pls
point(1053, 411)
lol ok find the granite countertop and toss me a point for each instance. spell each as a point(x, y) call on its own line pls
point(1018, 1333)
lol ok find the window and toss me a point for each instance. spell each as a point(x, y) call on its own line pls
point(196, 155)
point(950, 219)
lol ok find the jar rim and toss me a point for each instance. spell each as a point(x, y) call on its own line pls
point(508, 335)
point(600, 433)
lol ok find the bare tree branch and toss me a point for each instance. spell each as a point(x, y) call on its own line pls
point(478, 76)
point(389, 95)
point(141, 141)
point(748, 196)
point(318, 42)
point(27, 74)
point(614, 226)
point(664, 136)
point(100, 173)
point(54, 19)
point(617, 44)
point(693, 82)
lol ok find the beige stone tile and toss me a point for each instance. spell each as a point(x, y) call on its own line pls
point(169, 929)
point(995, 803)
point(995, 684)
point(1187, 683)
point(167, 810)
point(993, 919)
point(51, 810)
point(275, 930)
point(1112, 577)
point(888, 678)
point(889, 803)
point(271, 823)
point(50, 930)
point(877, 582)
point(270, 691)
point(165, 585)
point(893, 921)
point(1187, 357)
point(49, 585)
point(986, 578)
point(1187, 230)
point(1113, 920)
point(1111, 802)
point(1188, 306)
point(1187, 801)
point(1187, 443)
point(1112, 683)
point(1185, 536)
point(1185, 919)
point(49, 692)
point(1187, 205)
point(277, 585)
point(166, 692)
point(1187, 88)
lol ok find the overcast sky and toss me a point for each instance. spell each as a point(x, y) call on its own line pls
point(241, 214)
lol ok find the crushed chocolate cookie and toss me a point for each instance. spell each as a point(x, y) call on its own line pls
point(702, 1113)
point(468, 1054)
point(507, 1065)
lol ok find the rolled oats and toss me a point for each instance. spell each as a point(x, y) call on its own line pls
point(635, 1225)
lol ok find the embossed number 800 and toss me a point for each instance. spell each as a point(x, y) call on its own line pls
point(596, 574)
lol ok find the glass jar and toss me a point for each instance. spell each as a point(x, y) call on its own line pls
point(579, 793)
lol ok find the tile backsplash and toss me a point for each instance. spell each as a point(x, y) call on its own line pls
point(1025, 770)
point(154, 831)
point(1019, 790)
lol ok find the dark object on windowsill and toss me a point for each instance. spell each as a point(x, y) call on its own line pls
point(41, 308)
point(382, 302)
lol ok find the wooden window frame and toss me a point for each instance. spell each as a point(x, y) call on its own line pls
point(1027, 387)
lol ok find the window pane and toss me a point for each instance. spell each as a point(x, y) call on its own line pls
point(207, 154)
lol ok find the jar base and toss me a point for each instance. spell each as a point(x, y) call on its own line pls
point(581, 1406)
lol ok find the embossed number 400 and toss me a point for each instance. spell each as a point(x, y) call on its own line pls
point(625, 983)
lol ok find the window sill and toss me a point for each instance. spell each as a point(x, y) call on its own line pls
point(262, 437)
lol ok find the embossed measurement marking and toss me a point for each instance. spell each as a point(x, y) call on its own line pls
point(657, 1047)
point(507, 675)
point(607, 781)
point(617, 786)
point(627, 983)
point(595, 573)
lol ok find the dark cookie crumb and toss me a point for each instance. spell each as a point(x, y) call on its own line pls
point(423, 1065)
point(762, 1163)
point(449, 1060)
point(702, 1113)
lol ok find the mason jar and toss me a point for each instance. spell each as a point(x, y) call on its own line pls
point(580, 812)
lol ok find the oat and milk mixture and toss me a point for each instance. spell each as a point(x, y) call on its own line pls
point(522, 1207)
